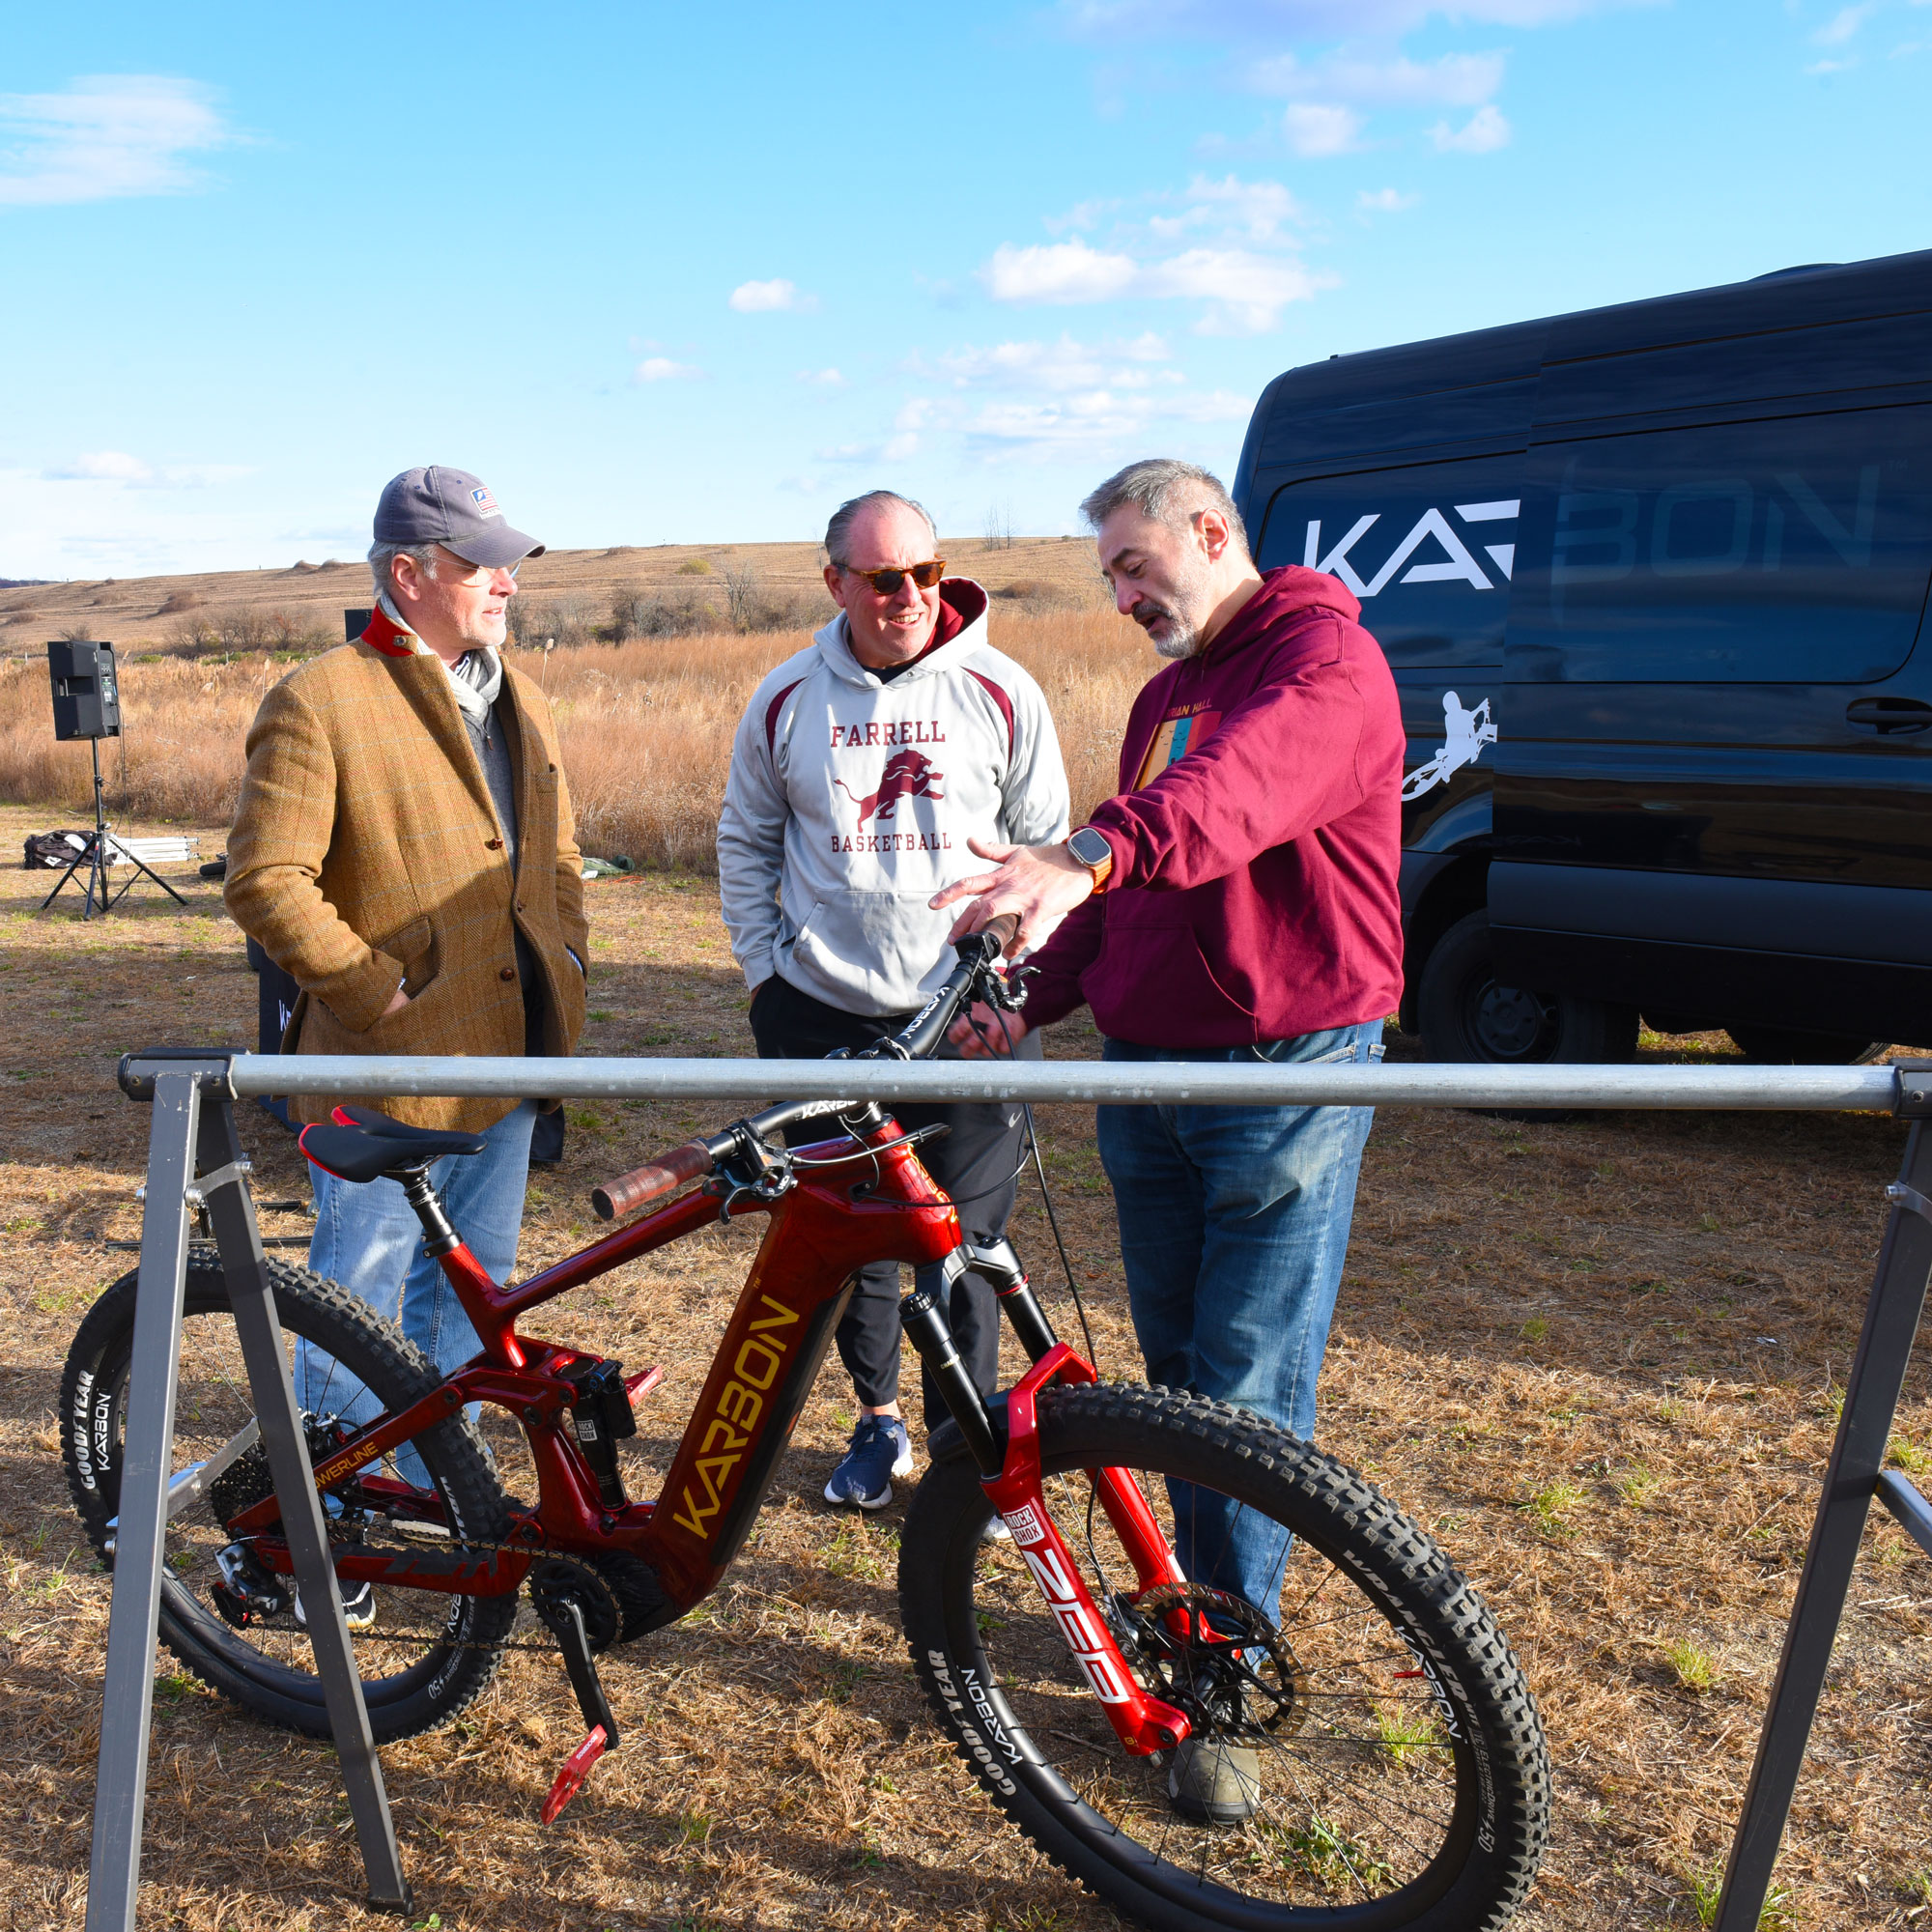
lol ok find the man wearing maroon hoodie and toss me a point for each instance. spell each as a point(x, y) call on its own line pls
point(1236, 901)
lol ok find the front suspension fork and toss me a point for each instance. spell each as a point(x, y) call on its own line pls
point(1010, 1475)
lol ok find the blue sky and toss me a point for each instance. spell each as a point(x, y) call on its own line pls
point(689, 273)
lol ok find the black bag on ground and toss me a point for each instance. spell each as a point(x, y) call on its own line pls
point(53, 851)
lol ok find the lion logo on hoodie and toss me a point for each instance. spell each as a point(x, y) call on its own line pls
point(907, 775)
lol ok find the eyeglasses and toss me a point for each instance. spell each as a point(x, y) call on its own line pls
point(886, 583)
point(478, 573)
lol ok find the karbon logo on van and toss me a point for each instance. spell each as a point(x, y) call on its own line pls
point(1460, 563)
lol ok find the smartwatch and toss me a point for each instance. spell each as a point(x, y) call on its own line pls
point(1093, 850)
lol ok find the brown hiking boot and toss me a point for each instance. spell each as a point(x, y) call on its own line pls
point(1214, 1783)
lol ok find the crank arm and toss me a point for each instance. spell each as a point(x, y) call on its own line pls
point(565, 1620)
point(1144, 1724)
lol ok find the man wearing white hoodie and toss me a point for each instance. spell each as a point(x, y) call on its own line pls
point(861, 767)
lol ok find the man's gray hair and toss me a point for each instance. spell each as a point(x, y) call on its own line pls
point(839, 530)
point(382, 555)
point(1165, 491)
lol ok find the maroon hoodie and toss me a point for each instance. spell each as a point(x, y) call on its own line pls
point(1256, 839)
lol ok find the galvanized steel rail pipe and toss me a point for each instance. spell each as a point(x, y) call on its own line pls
point(1717, 1089)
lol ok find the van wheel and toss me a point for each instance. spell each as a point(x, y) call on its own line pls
point(1466, 1013)
point(1786, 1047)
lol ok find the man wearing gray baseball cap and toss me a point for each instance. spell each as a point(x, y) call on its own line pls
point(404, 848)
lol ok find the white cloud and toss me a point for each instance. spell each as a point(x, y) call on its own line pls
point(1483, 134)
point(1271, 21)
point(101, 466)
point(1844, 24)
point(1247, 290)
point(1316, 129)
point(823, 378)
point(1451, 81)
point(662, 369)
point(1058, 271)
point(1058, 367)
point(1384, 201)
point(107, 137)
point(118, 467)
point(1094, 422)
point(1257, 208)
point(770, 297)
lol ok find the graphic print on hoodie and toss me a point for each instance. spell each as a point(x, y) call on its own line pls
point(851, 798)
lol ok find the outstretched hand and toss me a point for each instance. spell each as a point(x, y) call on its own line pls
point(1040, 884)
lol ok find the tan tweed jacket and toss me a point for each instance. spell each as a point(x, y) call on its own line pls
point(365, 852)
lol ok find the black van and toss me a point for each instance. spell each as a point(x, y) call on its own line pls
point(1650, 578)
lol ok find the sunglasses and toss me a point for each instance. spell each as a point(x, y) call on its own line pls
point(479, 574)
point(886, 583)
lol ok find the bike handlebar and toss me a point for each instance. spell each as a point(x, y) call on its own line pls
point(690, 1162)
point(917, 1039)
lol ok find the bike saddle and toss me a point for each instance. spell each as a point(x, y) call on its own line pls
point(361, 1144)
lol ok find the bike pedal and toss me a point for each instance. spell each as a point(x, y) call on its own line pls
point(569, 1780)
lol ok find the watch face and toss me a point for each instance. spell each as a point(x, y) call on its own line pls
point(1090, 848)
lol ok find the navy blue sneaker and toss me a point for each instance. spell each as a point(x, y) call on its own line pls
point(880, 1450)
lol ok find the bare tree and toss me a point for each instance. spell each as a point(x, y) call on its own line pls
point(1000, 525)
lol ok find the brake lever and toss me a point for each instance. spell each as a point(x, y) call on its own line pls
point(770, 1172)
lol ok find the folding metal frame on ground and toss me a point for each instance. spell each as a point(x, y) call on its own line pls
point(195, 1162)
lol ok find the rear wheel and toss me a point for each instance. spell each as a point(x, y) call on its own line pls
point(1466, 1013)
point(1400, 1773)
point(426, 1655)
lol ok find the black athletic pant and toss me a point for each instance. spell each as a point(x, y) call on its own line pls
point(974, 1163)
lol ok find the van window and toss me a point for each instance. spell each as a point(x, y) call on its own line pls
point(1428, 547)
point(1795, 551)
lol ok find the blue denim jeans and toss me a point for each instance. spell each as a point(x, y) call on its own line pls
point(367, 1238)
point(1233, 1227)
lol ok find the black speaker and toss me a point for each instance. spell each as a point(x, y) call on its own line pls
point(87, 699)
point(353, 624)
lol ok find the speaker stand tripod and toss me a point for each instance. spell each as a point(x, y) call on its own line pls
point(95, 855)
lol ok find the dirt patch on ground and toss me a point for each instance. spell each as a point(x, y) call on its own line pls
point(1599, 1359)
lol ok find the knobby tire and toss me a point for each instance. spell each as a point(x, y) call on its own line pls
point(1404, 1778)
point(268, 1670)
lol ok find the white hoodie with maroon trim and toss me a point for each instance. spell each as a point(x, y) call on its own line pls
point(851, 799)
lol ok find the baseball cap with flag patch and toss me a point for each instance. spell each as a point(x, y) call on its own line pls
point(452, 508)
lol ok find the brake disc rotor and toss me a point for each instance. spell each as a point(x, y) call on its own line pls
point(1244, 1676)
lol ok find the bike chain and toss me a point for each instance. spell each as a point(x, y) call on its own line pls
point(465, 1545)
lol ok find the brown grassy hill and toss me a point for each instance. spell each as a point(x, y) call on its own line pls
point(773, 586)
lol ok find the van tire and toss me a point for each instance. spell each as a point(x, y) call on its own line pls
point(1465, 1015)
point(1787, 1046)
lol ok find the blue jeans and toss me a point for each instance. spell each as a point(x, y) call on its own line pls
point(1233, 1227)
point(367, 1238)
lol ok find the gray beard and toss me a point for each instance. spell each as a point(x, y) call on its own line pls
point(1182, 640)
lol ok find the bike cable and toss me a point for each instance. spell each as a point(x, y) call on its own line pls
point(1045, 1194)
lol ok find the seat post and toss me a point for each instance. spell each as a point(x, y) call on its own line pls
point(439, 1235)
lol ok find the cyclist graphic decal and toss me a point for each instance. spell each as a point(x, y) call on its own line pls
point(1464, 735)
point(907, 775)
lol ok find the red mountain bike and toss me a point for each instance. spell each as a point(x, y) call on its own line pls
point(1388, 1761)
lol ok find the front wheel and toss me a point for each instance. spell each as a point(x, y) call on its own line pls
point(1396, 1775)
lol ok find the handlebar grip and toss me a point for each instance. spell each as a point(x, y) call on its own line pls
point(1003, 929)
point(629, 1191)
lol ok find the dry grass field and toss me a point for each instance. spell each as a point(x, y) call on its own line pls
point(1601, 1359)
point(666, 707)
point(303, 599)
